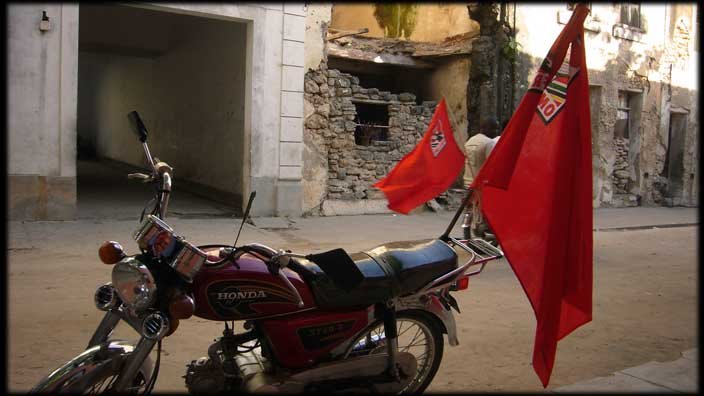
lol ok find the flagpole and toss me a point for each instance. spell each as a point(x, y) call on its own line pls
point(458, 213)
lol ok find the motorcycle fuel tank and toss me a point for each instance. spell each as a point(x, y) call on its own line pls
point(227, 292)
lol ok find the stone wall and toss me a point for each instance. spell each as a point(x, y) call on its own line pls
point(621, 176)
point(348, 169)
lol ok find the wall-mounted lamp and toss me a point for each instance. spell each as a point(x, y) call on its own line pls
point(44, 24)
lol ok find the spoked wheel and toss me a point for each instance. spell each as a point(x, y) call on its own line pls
point(95, 380)
point(418, 334)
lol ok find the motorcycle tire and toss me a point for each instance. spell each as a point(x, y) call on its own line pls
point(94, 375)
point(431, 329)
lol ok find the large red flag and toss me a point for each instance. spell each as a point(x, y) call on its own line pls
point(428, 170)
point(536, 192)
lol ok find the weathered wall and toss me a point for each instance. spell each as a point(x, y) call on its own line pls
point(426, 21)
point(448, 81)
point(41, 111)
point(315, 170)
point(659, 68)
point(191, 98)
point(351, 168)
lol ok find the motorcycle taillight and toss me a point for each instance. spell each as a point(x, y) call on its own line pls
point(461, 283)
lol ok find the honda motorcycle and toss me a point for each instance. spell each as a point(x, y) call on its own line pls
point(328, 322)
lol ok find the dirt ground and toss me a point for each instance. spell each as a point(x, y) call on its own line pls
point(645, 301)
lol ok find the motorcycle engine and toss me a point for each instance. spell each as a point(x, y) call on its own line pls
point(204, 376)
point(223, 371)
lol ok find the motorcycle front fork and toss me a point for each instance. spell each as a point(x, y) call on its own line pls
point(138, 355)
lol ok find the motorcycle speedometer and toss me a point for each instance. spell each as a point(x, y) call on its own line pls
point(134, 283)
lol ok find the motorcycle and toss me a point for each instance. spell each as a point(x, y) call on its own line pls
point(330, 322)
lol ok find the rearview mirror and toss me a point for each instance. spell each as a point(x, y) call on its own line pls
point(137, 126)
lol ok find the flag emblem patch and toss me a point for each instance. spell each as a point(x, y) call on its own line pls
point(555, 94)
point(437, 141)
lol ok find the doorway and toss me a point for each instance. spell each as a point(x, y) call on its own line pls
point(185, 75)
point(674, 162)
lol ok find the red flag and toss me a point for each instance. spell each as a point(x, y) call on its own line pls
point(428, 170)
point(536, 192)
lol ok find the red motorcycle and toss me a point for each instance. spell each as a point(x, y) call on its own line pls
point(329, 322)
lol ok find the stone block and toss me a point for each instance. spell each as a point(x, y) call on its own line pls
point(316, 121)
point(289, 198)
point(406, 97)
point(310, 86)
point(293, 53)
point(292, 79)
point(337, 207)
point(295, 9)
point(292, 104)
point(294, 27)
point(291, 154)
point(319, 78)
point(290, 173)
point(291, 129)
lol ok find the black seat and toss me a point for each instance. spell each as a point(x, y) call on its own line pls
point(387, 271)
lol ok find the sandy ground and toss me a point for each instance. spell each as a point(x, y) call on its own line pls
point(645, 300)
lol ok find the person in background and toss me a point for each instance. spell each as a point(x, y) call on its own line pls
point(477, 150)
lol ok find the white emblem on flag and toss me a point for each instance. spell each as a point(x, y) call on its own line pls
point(437, 141)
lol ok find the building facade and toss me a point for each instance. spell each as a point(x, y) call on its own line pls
point(226, 113)
point(310, 104)
point(643, 76)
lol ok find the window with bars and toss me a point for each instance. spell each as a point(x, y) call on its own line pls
point(630, 14)
point(623, 119)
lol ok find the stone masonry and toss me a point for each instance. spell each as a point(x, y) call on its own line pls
point(330, 126)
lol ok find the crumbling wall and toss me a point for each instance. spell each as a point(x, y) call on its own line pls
point(656, 65)
point(330, 123)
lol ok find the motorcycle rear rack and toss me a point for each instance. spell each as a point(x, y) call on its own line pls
point(481, 253)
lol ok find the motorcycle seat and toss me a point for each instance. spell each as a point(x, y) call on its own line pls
point(384, 272)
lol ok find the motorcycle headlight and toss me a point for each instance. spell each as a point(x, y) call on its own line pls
point(134, 283)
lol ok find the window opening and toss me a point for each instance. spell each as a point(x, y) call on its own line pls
point(623, 116)
point(630, 14)
point(372, 123)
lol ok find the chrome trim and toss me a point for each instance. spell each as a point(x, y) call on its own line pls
point(135, 360)
point(150, 159)
point(291, 287)
point(105, 297)
point(90, 358)
point(104, 329)
point(155, 326)
point(166, 187)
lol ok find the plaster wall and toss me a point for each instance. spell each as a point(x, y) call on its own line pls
point(433, 21)
point(624, 59)
point(191, 98)
point(42, 75)
point(447, 80)
point(41, 110)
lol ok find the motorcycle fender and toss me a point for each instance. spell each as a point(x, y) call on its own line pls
point(435, 307)
point(115, 351)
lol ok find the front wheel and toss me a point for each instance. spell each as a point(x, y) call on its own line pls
point(418, 334)
point(94, 371)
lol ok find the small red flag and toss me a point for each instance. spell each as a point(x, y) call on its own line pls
point(536, 194)
point(428, 170)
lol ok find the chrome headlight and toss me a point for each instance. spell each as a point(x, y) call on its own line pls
point(134, 283)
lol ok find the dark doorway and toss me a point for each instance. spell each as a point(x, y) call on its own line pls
point(185, 75)
point(674, 164)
